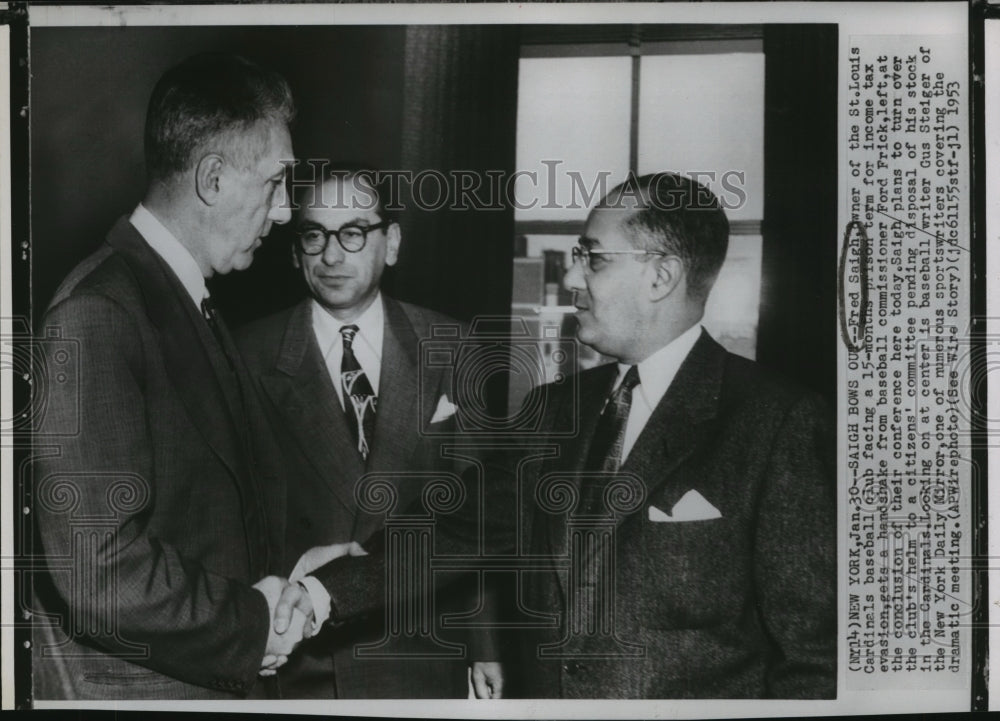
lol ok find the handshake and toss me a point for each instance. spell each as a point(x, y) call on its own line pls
point(293, 616)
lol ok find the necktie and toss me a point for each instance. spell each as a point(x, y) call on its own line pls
point(605, 452)
point(228, 351)
point(359, 398)
point(212, 318)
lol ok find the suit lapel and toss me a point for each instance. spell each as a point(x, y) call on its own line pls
point(594, 391)
point(682, 420)
point(300, 388)
point(397, 422)
point(191, 357)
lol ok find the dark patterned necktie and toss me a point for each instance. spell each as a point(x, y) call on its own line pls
point(229, 352)
point(605, 452)
point(359, 398)
point(225, 343)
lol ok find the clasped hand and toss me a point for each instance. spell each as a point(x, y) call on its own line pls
point(293, 618)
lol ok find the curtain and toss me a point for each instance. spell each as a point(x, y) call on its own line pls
point(798, 315)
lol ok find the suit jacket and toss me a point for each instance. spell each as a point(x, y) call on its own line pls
point(155, 518)
point(741, 606)
point(325, 468)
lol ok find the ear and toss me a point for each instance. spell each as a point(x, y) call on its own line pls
point(393, 238)
point(296, 261)
point(208, 178)
point(668, 277)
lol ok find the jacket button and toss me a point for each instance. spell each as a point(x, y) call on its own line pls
point(573, 668)
point(305, 523)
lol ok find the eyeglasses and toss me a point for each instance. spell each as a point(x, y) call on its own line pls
point(588, 256)
point(313, 239)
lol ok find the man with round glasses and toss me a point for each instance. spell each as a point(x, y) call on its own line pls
point(339, 375)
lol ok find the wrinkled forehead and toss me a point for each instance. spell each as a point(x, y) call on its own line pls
point(281, 141)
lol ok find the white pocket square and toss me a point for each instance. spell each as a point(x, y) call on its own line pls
point(445, 410)
point(691, 507)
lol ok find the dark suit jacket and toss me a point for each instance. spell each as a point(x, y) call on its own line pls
point(324, 470)
point(153, 518)
point(741, 606)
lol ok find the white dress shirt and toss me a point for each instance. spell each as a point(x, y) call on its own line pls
point(367, 342)
point(175, 255)
point(656, 373)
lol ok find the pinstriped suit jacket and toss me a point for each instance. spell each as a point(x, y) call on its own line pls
point(157, 516)
point(325, 468)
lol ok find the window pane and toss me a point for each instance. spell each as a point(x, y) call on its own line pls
point(705, 113)
point(574, 114)
point(734, 303)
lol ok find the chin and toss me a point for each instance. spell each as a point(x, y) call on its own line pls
point(334, 302)
point(585, 336)
point(243, 261)
point(595, 342)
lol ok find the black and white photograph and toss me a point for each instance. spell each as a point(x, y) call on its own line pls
point(495, 361)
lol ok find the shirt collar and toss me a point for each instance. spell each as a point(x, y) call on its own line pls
point(657, 372)
point(174, 254)
point(371, 326)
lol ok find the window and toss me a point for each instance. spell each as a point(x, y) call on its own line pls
point(588, 112)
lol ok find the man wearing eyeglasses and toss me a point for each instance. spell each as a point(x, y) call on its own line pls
point(340, 374)
point(711, 481)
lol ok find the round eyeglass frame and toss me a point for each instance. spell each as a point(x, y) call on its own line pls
point(364, 229)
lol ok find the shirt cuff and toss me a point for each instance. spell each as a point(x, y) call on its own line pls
point(320, 601)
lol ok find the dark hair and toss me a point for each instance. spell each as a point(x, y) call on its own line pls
point(375, 185)
point(210, 97)
point(677, 216)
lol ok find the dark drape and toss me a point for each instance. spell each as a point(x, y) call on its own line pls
point(797, 332)
point(459, 119)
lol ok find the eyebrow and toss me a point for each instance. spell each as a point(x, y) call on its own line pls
point(360, 222)
point(589, 243)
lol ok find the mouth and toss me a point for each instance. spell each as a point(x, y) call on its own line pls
point(333, 279)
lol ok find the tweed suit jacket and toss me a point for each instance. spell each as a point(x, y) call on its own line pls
point(157, 515)
point(740, 606)
point(324, 471)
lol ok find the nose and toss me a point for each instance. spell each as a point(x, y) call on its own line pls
point(573, 278)
point(332, 253)
point(281, 209)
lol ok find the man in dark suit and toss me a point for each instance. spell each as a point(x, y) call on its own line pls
point(159, 514)
point(705, 484)
point(340, 375)
point(682, 532)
